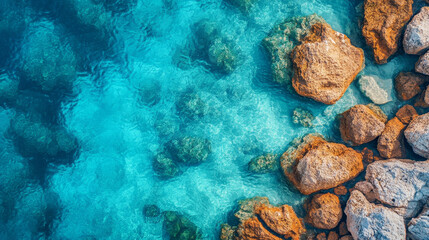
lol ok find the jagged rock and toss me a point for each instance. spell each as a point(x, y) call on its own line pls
point(408, 84)
point(190, 105)
point(366, 220)
point(263, 164)
point(227, 232)
point(325, 64)
point(164, 166)
point(190, 150)
point(282, 40)
point(378, 111)
point(303, 117)
point(314, 164)
point(406, 113)
point(324, 211)
point(422, 65)
point(419, 227)
point(360, 125)
point(417, 135)
point(367, 189)
point(368, 155)
point(243, 5)
point(369, 87)
point(423, 100)
point(340, 190)
point(416, 37)
point(180, 227)
point(383, 24)
point(391, 141)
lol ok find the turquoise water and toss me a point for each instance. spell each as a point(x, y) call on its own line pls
point(122, 65)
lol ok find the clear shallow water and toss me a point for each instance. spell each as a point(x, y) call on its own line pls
point(127, 80)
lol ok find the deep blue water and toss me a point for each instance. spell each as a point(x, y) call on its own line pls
point(121, 68)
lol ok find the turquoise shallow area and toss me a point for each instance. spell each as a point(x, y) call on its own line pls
point(127, 80)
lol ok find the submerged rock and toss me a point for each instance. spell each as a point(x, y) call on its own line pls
point(416, 37)
point(164, 166)
point(222, 56)
point(89, 12)
point(179, 227)
point(422, 65)
point(190, 150)
point(315, 164)
point(366, 220)
point(325, 64)
point(417, 135)
point(406, 113)
point(383, 24)
point(280, 42)
point(8, 89)
point(151, 210)
point(303, 117)
point(360, 125)
point(408, 84)
point(243, 5)
point(324, 211)
point(391, 141)
point(369, 87)
point(263, 164)
point(190, 105)
point(419, 227)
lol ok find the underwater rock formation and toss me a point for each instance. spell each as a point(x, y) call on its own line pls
point(383, 24)
point(164, 166)
point(190, 150)
point(324, 211)
point(281, 41)
point(416, 36)
point(179, 227)
point(418, 227)
point(391, 141)
point(369, 87)
point(303, 117)
point(360, 125)
point(190, 105)
point(325, 64)
point(89, 12)
point(422, 65)
point(406, 113)
point(263, 164)
point(8, 89)
point(243, 5)
point(417, 135)
point(258, 219)
point(366, 220)
point(313, 164)
point(151, 210)
point(408, 84)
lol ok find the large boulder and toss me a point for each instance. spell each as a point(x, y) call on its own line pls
point(418, 227)
point(391, 141)
point(416, 37)
point(369, 87)
point(324, 211)
point(417, 135)
point(383, 23)
point(360, 125)
point(408, 84)
point(325, 64)
point(422, 65)
point(366, 220)
point(406, 113)
point(313, 164)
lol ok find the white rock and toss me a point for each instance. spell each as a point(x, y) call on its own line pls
point(416, 37)
point(419, 227)
point(417, 135)
point(422, 65)
point(368, 85)
point(366, 220)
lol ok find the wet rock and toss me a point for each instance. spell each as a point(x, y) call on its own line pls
point(190, 105)
point(280, 42)
point(151, 211)
point(324, 211)
point(369, 87)
point(302, 117)
point(222, 56)
point(418, 227)
point(366, 220)
point(417, 135)
point(263, 164)
point(360, 125)
point(325, 64)
point(8, 89)
point(406, 113)
point(340, 190)
point(422, 65)
point(408, 84)
point(190, 150)
point(243, 5)
point(383, 24)
point(423, 100)
point(416, 37)
point(164, 166)
point(391, 141)
point(313, 164)
point(179, 227)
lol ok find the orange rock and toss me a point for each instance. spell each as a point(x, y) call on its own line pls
point(340, 190)
point(324, 211)
point(252, 229)
point(315, 164)
point(391, 141)
point(325, 64)
point(423, 100)
point(333, 236)
point(408, 84)
point(321, 236)
point(360, 125)
point(383, 24)
point(406, 113)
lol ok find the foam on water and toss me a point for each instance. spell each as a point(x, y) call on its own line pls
point(102, 194)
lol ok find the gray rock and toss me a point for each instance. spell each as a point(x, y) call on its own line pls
point(422, 65)
point(418, 227)
point(417, 135)
point(366, 220)
point(369, 87)
point(416, 37)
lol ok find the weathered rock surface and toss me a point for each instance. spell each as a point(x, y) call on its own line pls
point(303, 117)
point(340, 190)
point(391, 141)
point(406, 113)
point(423, 100)
point(369, 87)
point(360, 125)
point(417, 135)
point(190, 150)
point(324, 211)
point(422, 65)
point(325, 64)
point(190, 105)
point(164, 166)
point(263, 164)
point(408, 84)
point(366, 220)
point(383, 23)
point(178, 226)
point(416, 37)
point(243, 5)
point(314, 164)
point(418, 227)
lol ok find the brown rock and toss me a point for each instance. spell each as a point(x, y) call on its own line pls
point(340, 190)
point(383, 23)
point(360, 125)
point(391, 141)
point(314, 164)
point(325, 64)
point(406, 113)
point(333, 236)
point(321, 236)
point(227, 232)
point(423, 100)
point(324, 211)
point(342, 229)
point(252, 229)
point(368, 155)
point(408, 84)
point(367, 189)
point(347, 237)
